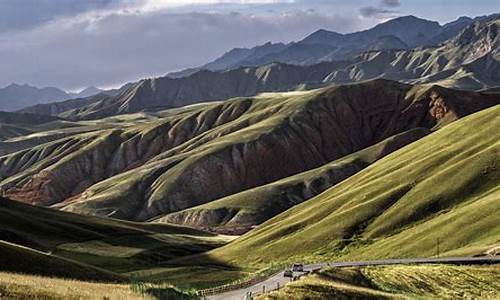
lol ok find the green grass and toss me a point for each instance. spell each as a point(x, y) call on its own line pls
point(396, 282)
point(117, 246)
point(256, 205)
point(15, 258)
point(443, 186)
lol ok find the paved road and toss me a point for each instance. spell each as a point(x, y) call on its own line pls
point(274, 281)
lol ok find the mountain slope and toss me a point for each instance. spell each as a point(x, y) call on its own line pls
point(468, 61)
point(443, 184)
point(195, 155)
point(114, 245)
point(240, 212)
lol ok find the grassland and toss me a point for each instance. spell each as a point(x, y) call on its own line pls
point(242, 211)
point(52, 242)
point(18, 286)
point(444, 186)
point(396, 282)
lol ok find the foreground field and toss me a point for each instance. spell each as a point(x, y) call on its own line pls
point(52, 243)
point(396, 282)
point(16, 286)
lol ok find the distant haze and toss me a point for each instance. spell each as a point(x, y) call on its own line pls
point(73, 44)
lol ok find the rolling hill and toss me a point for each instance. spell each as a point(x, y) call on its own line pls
point(60, 244)
point(444, 186)
point(196, 155)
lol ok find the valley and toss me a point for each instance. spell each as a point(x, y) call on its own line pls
point(370, 157)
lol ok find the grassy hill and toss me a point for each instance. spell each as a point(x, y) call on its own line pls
point(145, 166)
point(395, 282)
point(114, 245)
point(240, 212)
point(25, 260)
point(444, 186)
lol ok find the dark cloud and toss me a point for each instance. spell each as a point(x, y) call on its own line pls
point(374, 12)
point(117, 47)
point(25, 14)
point(390, 3)
point(385, 9)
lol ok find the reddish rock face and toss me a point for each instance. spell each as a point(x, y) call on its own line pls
point(198, 156)
point(438, 108)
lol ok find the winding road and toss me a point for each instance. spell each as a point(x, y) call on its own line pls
point(278, 280)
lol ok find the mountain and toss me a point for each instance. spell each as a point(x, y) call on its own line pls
point(166, 92)
point(15, 97)
point(469, 61)
point(234, 58)
point(406, 32)
point(141, 168)
point(240, 212)
point(87, 92)
point(444, 186)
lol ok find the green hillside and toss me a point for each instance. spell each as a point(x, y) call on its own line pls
point(396, 282)
point(15, 258)
point(114, 245)
point(444, 186)
point(241, 211)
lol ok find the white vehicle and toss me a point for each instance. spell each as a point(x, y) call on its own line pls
point(298, 267)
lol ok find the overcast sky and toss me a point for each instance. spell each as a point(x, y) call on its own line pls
point(73, 44)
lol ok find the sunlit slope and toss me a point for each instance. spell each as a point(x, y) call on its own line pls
point(111, 244)
point(145, 166)
point(249, 142)
point(396, 282)
point(240, 212)
point(444, 186)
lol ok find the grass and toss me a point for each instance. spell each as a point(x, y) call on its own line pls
point(117, 246)
point(15, 258)
point(396, 282)
point(19, 286)
point(256, 205)
point(443, 186)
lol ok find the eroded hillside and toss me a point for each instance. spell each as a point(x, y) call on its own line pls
point(145, 167)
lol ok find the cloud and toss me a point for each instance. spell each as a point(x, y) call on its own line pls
point(26, 14)
point(390, 3)
point(114, 46)
point(384, 10)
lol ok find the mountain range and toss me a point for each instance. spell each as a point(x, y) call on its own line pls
point(15, 96)
point(406, 32)
point(341, 147)
point(469, 60)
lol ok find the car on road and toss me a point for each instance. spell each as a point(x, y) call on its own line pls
point(297, 267)
point(288, 273)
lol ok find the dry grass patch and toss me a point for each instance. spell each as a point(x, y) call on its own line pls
point(18, 286)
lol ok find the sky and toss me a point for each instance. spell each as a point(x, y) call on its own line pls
point(73, 44)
